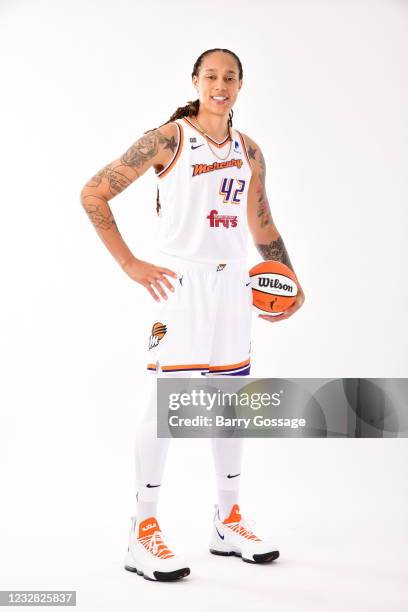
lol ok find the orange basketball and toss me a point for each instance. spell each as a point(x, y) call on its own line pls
point(274, 287)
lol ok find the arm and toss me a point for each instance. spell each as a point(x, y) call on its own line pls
point(153, 149)
point(266, 237)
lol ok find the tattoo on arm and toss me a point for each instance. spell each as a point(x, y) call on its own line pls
point(146, 148)
point(251, 152)
point(139, 153)
point(262, 210)
point(275, 250)
point(117, 181)
point(100, 220)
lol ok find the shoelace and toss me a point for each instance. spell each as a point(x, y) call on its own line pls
point(154, 544)
point(243, 528)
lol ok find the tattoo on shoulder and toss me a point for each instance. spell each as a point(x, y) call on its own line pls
point(147, 147)
point(275, 250)
point(251, 152)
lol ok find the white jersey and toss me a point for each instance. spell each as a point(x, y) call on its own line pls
point(203, 199)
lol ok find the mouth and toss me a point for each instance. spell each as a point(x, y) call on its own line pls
point(220, 100)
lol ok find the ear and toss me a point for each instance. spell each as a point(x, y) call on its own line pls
point(195, 82)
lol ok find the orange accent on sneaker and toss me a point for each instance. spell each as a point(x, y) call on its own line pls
point(150, 536)
point(233, 521)
point(234, 516)
point(148, 527)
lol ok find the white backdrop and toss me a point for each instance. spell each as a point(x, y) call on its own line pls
point(325, 96)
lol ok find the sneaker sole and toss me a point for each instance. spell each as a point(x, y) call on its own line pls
point(261, 558)
point(161, 576)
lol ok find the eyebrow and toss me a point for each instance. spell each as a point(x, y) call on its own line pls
point(214, 70)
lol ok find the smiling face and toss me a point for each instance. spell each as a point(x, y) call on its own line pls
point(218, 83)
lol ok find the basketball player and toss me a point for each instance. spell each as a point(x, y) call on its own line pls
point(211, 191)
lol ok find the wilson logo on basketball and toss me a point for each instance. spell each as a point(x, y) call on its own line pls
point(158, 331)
point(225, 220)
point(274, 283)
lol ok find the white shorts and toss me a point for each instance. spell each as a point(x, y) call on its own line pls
point(205, 324)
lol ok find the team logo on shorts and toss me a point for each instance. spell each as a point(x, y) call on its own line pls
point(158, 331)
point(220, 267)
point(224, 220)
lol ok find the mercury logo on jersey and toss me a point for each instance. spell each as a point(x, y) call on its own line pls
point(158, 331)
point(225, 220)
point(204, 168)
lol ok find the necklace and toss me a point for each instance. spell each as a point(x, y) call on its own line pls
point(207, 136)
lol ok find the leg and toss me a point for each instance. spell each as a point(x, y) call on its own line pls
point(150, 455)
point(227, 454)
point(150, 452)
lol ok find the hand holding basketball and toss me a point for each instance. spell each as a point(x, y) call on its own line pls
point(300, 298)
point(276, 291)
point(150, 276)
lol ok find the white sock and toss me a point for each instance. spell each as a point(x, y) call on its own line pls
point(227, 455)
point(145, 509)
point(226, 499)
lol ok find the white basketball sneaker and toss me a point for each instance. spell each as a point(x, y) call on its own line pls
point(149, 556)
point(233, 536)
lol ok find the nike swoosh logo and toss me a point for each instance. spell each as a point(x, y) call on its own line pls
point(246, 284)
point(221, 536)
point(197, 146)
point(232, 476)
point(149, 486)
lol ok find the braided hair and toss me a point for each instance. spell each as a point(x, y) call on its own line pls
point(192, 107)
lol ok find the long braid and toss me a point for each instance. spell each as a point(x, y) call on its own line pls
point(192, 107)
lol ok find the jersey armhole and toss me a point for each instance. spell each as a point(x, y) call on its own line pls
point(245, 150)
point(243, 143)
point(176, 155)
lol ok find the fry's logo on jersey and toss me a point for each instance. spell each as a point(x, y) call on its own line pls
point(203, 168)
point(158, 331)
point(226, 220)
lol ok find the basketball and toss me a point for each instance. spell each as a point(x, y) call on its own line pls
point(274, 287)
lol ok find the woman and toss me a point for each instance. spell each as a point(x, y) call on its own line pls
point(211, 190)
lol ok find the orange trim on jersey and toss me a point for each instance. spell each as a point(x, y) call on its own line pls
point(230, 366)
point(176, 155)
point(244, 147)
point(214, 142)
point(170, 368)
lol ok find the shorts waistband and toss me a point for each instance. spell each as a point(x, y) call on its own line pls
point(179, 263)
